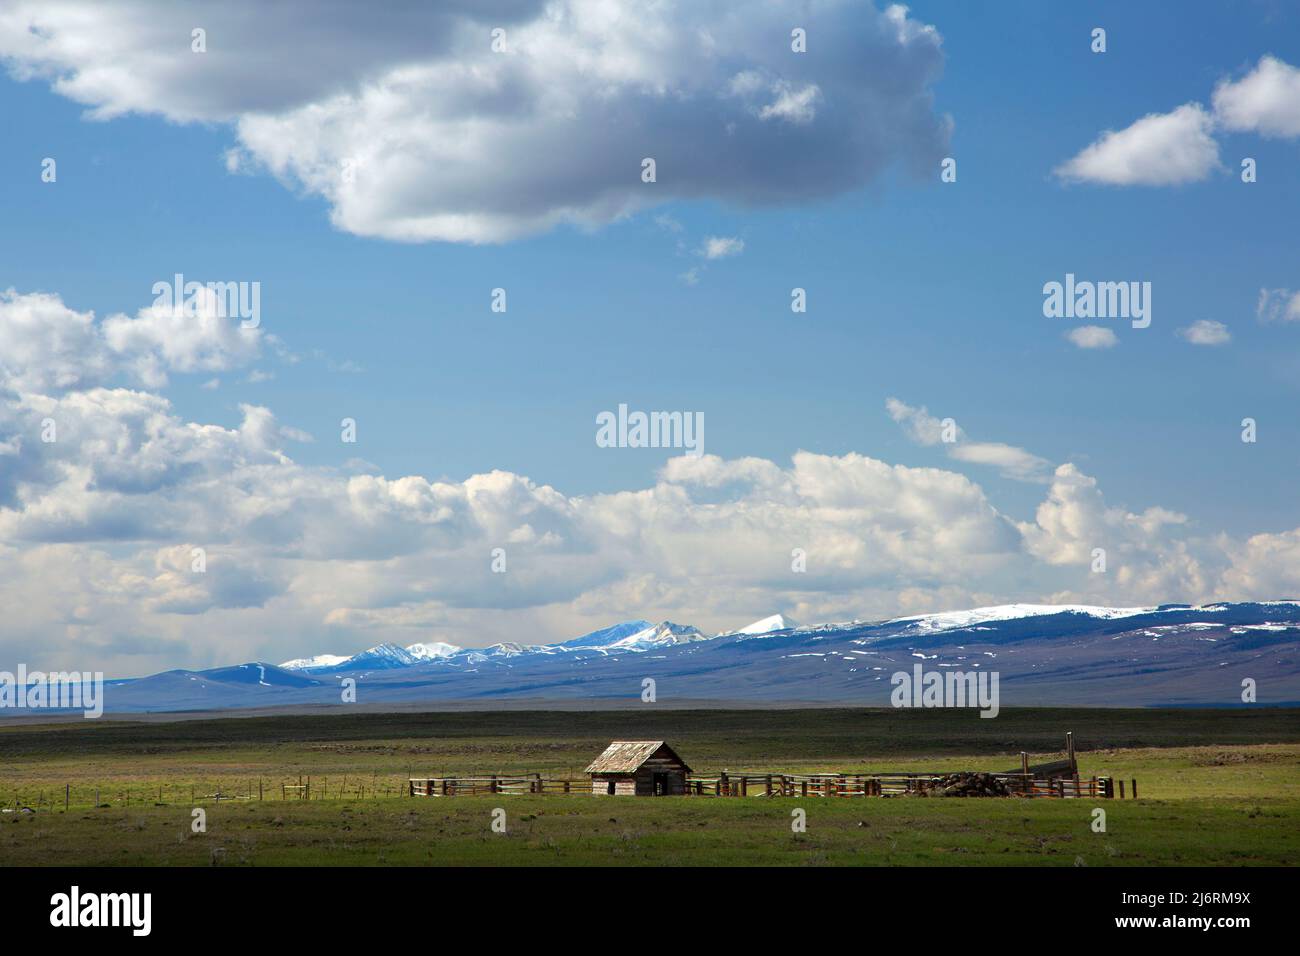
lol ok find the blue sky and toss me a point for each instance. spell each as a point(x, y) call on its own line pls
point(924, 291)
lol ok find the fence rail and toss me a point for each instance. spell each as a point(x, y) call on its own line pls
point(117, 794)
point(751, 784)
point(470, 786)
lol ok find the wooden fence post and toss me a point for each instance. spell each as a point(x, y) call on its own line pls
point(1135, 788)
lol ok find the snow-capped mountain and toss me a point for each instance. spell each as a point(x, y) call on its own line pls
point(663, 634)
point(432, 651)
point(607, 635)
point(777, 622)
point(379, 657)
point(1046, 655)
point(626, 636)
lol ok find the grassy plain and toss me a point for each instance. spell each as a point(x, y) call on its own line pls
point(1216, 788)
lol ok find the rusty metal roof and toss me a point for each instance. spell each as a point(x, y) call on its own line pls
point(627, 756)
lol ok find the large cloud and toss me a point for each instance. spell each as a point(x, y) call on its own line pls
point(100, 529)
point(413, 128)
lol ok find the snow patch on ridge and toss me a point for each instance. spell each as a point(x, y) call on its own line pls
point(320, 660)
point(952, 620)
point(432, 651)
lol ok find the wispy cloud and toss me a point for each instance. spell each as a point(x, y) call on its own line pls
point(722, 247)
point(1278, 305)
point(926, 429)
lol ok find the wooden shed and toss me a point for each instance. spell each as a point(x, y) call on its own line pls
point(640, 768)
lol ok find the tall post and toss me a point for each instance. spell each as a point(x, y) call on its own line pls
point(1069, 750)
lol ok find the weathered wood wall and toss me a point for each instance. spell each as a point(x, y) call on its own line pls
point(624, 785)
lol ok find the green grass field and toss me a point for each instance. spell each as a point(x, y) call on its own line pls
point(1217, 788)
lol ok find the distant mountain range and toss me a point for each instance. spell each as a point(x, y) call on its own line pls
point(1044, 654)
point(630, 636)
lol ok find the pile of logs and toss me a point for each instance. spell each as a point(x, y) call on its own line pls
point(963, 785)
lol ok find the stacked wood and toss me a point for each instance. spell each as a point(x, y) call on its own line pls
point(962, 785)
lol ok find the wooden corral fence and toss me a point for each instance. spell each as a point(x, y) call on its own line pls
point(470, 786)
point(750, 784)
point(1057, 778)
point(894, 784)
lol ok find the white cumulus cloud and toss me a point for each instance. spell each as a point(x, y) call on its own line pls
point(98, 530)
point(1160, 149)
point(413, 128)
point(1169, 149)
point(1265, 101)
